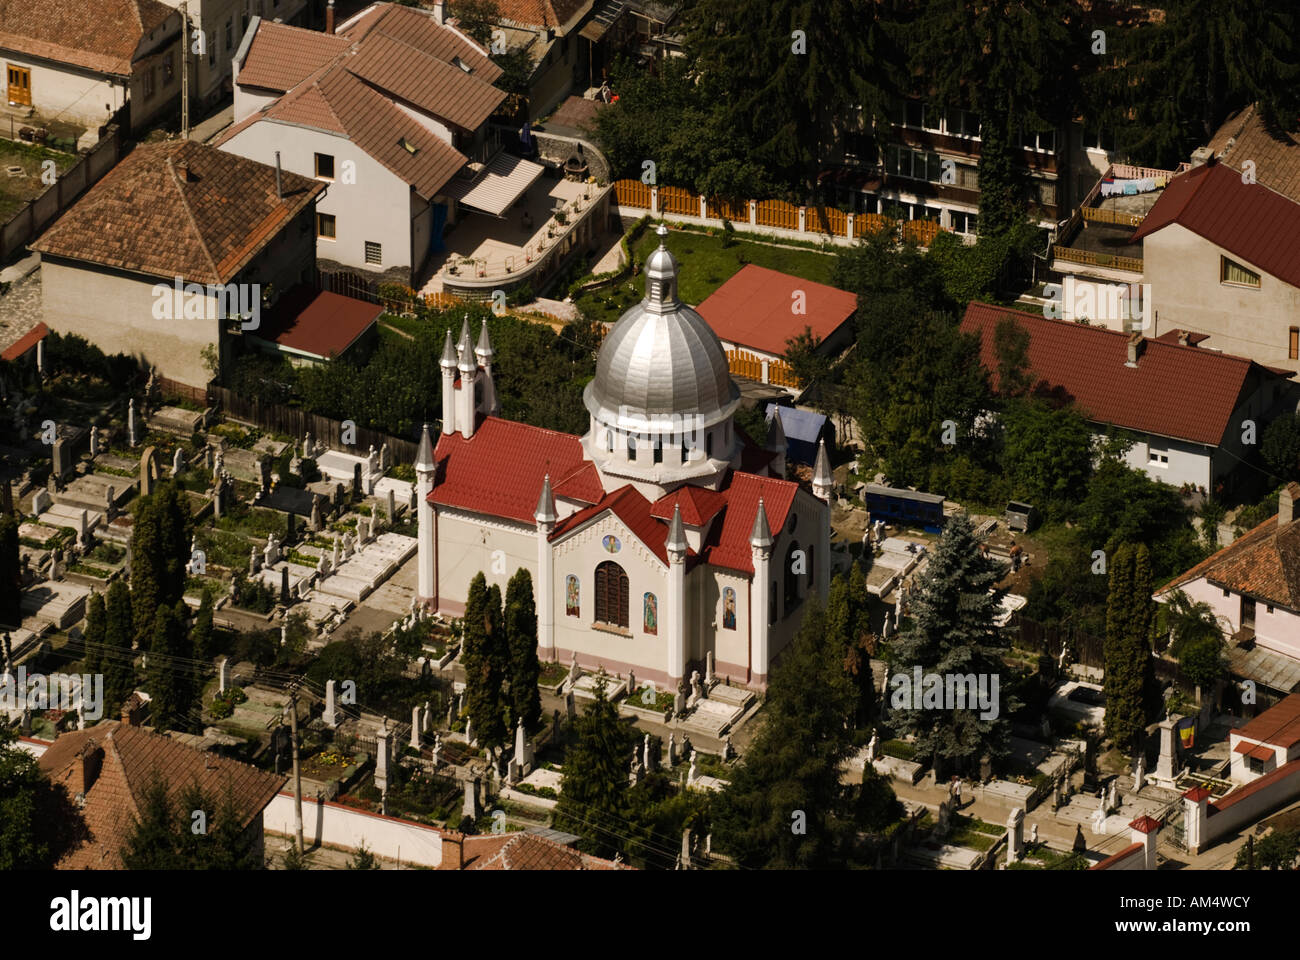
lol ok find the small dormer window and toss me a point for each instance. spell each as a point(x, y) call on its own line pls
point(409, 147)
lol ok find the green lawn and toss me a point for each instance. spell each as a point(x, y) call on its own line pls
point(15, 191)
point(705, 265)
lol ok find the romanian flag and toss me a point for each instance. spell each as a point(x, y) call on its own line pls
point(1187, 731)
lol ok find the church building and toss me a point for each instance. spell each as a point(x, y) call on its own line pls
point(659, 536)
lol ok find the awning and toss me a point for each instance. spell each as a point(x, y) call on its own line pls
point(501, 184)
point(1256, 751)
point(605, 17)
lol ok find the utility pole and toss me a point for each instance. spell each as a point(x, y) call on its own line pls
point(297, 769)
point(185, 102)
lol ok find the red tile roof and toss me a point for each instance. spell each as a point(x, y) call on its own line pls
point(699, 505)
point(280, 56)
point(25, 342)
point(753, 309)
point(728, 544)
point(499, 470)
point(318, 322)
point(1174, 391)
point(1279, 725)
point(541, 13)
point(418, 29)
point(1249, 220)
point(103, 36)
point(1266, 782)
point(527, 851)
point(132, 759)
point(146, 216)
point(583, 484)
point(1275, 153)
point(628, 504)
point(1263, 563)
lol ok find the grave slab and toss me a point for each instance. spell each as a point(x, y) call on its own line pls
point(60, 603)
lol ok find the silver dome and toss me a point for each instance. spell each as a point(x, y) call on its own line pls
point(661, 360)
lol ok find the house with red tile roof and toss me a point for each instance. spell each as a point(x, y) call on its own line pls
point(82, 63)
point(759, 310)
point(1221, 255)
point(1189, 407)
point(660, 538)
point(1271, 740)
point(109, 769)
point(1253, 586)
point(390, 112)
point(179, 247)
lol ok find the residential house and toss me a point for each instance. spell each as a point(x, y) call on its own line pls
point(1187, 406)
point(1253, 586)
point(309, 326)
point(391, 110)
point(222, 24)
point(1271, 740)
point(72, 67)
point(110, 768)
point(174, 244)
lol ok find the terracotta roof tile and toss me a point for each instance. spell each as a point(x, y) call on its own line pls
point(418, 29)
point(1174, 391)
point(318, 322)
point(699, 505)
point(1249, 220)
point(280, 56)
point(527, 851)
point(1279, 725)
point(1276, 153)
point(583, 484)
point(102, 36)
point(1263, 563)
point(728, 544)
point(628, 504)
point(753, 309)
point(541, 13)
point(133, 758)
point(145, 216)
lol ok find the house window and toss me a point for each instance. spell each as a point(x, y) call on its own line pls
point(148, 83)
point(1255, 764)
point(631, 448)
point(325, 226)
point(374, 252)
point(1225, 592)
point(1157, 456)
point(961, 222)
point(169, 67)
point(1099, 140)
point(1293, 344)
point(791, 596)
point(1234, 273)
point(230, 36)
point(324, 166)
point(611, 594)
point(659, 450)
point(914, 164)
point(1044, 142)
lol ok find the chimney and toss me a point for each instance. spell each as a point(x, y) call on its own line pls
point(183, 168)
point(453, 850)
point(440, 11)
point(279, 185)
point(1136, 344)
point(1287, 502)
point(86, 771)
point(1184, 338)
point(132, 711)
point(1201, 156)
point(329, 17)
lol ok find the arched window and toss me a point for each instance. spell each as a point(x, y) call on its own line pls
point(708, 444)
point(611, 594)
point(659, 450)
point(631, 448)
point(686, 453)
point(791, 595)
point(609, 440)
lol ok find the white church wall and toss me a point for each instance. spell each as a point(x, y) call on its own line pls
point(730, 644)
point(468, 543)
point(578, 555)
point(807, 534)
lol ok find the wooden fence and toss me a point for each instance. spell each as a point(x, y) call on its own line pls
point(1048, 638)
point(745, 364)
point(295, 423)
point(1075, 255)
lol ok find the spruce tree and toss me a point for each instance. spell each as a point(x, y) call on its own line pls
point(786, 806)
point(594, 792)
point(117, 657)
point(164, 837)
point(170, 687)
point(953, 634)
point(1130, 675)
point(160, 551)
point(96, 625)
point(521, 636)
point(10, 572)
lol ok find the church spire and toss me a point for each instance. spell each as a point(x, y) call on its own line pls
point(676, 542)
point(761, 534)
point(545, 512)
point(448, 352)
point(823, 479)
point(424, 461)
point(484, 350)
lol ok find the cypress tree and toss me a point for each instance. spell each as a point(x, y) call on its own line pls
point(848, 625)
point(495, 670)
point(117, 657)
point(521, 636)
point(96, 626)
point(594, 793)
point(10, 572)
point(160, 551)
point(953, 634)
point(201, 634)
point(1130, 675)
point(170, 686)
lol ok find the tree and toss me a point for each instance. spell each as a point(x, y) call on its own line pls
point(201, 633)
point(1011, 344)
point(953, 634)
point(476, 18)
point(594, 792)
point(1125, 505)
point(363, 859)
point(1130, 676)
point(171, 687)
point(160, 541)
point(96, 616)
point(1280, 850)
point(39, 823)
point(10, 572)
point(1279, 445)
point(1197, 639)
point(485, 657)
point(1047, 454)
point(658, 813)
point(785, 806)
point(188, 829)
point(848, 628)
point(117, 658)
point(521, 637)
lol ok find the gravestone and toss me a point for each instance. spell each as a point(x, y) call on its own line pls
point(83, 531)
point(178, 462)
point(356, 482)
point(392, 507)
point(383, 759)
point(41, 501)
point(130, 423)
point(284, 586)
point(223, 675)
point(415, 728)
point(62, 458)
point(148, 470)
point(471, 808)
point(1015, 836)
point(254, 563)
point(330, 716)
point(708, 669)
point(314, 523)
point(94, 442)
point(264, 475)
point(110, 503)
point(411, 500)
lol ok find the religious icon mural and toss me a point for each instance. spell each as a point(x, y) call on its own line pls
point(728, 608)
point(571, 605)
point(611, 543)
point(650, 615)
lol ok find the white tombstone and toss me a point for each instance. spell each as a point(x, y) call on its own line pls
point(415, 727)
point(335, 562)
point(1140, 772)
point(1165, 764)
point(306, 446)
point(83, 529)
point(672, 750)
point(383, 760)
point(1015, 836)
point(331, 705)
point(693, 772)
point(469, 731)
point(178, 462)
point(426, 725)
point(392, 506)
point(1033, 834)
point(645, 754)
point(94, 442)
point(41, 501)
point(708, 669)
point(223, 675)
point(871, 747)
point(130, 423)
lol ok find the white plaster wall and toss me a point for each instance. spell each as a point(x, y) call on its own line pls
point(1183, 270)
point(349, 828)
point(466, 543)
point(376, 207)
point(1277, 630)
point(68, 92)
point(1188, 462)
point(428, 122)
